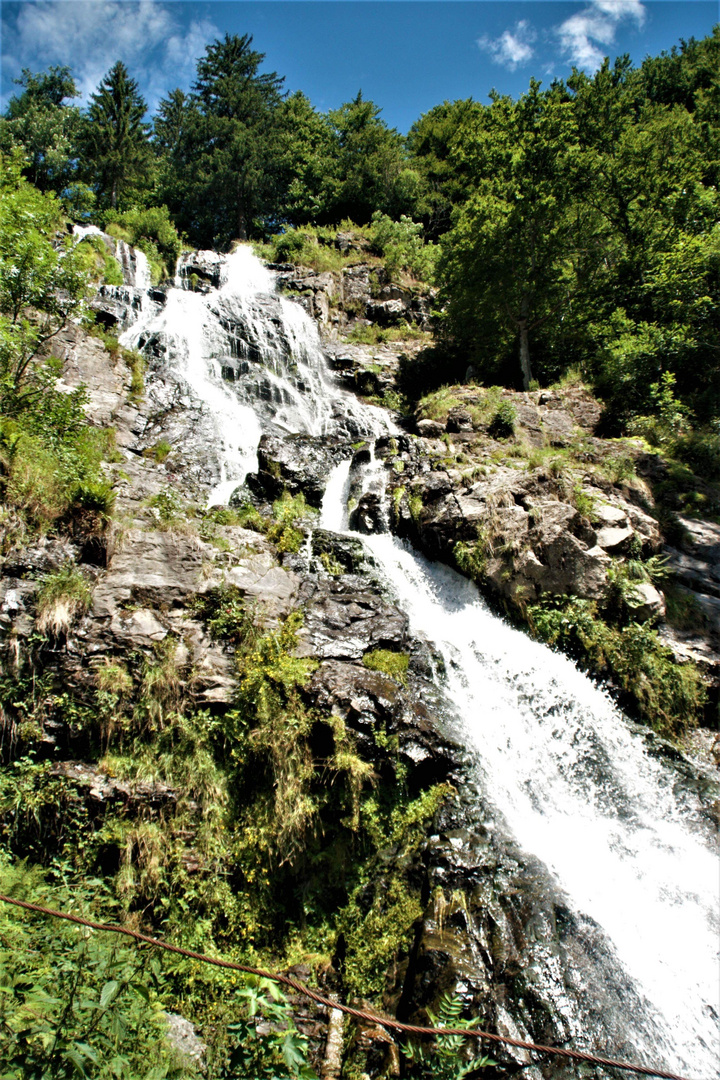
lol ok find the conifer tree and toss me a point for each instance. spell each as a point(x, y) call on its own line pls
point(116, 150)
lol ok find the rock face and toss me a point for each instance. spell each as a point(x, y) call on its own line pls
point(360, 292)
point(296, 464)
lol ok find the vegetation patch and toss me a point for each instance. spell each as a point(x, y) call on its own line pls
point(394, 664)
point(668, 695)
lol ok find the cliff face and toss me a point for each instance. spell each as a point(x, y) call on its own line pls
point(189, 658)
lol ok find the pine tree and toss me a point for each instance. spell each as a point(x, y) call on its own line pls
point(116, 148)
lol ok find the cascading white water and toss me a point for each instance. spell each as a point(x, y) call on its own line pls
point(205, 334)
point(577, 789)
point(573, 783)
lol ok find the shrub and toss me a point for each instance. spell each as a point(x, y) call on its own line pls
point(153, 232)
point(402, 246)
point(668, 695)
point(502, 425)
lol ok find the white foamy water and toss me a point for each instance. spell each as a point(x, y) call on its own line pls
point(286, 379)
point(577, 789)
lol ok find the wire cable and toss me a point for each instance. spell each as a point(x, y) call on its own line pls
point(330, 1003)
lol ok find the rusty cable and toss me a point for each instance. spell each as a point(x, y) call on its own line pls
point(330, 1003)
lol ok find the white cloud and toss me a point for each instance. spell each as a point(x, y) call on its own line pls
point(584, 37)
point(90, 35)
point(513, 47)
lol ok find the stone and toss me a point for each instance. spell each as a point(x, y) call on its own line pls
point(296, 463)
point(386, 312)
point(183, 1038)
point(458, 419)
point(606, 514)
point(614, 539)
point(429, 429)
point(646, 602)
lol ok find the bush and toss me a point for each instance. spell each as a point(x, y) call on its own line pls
point(75, 1004)
point(502, 425)
point(668, 695)
point(402, 246)
point(63, 596)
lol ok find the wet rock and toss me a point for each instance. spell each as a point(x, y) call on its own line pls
point(346, 551)
point(297, 464)
point(346, 617)
point(204, 265)
point(369, 515)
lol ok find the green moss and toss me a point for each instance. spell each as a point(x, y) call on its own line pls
point(136, 364)
point(394, 664)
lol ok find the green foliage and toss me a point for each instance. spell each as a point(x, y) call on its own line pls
point(151, 230)
point(402, 247)
point(502, 425)
point(378, 921)
point(280, 1052)
point(222, 144)
point(97, 262)
point(373, 174)
point(114, 138)
point(159, 451)
point(40, 121)
point(390, 663)
point(75, 1003)
point(448, 1057)
point(288, 510)
point(668, 695)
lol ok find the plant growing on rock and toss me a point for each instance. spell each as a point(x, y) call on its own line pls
point(394, 664)
point(63, 596)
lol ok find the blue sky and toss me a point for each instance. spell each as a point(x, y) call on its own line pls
point(407, 55)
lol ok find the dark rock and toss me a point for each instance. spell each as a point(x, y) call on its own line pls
point(429, 429)
point(348, 552)
point(459, 419)
point(386, 312)
point(369, 515)
point(296, 463)
point(101, 789)
point(346, 617)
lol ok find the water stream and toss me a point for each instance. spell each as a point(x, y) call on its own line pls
point(573, 782)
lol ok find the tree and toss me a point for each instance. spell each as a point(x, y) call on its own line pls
point(40, 287)
point(45, 126)
point(308, 163)
point(223, 144)
point(372, 167)
point(430, 143)
point(520, 244)
point(116, 150)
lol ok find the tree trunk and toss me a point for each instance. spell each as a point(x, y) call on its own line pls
point(525, 354)
point(113, 194)
point(242, 223)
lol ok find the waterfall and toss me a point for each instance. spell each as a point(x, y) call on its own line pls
point(568, 777)
point(253, 360)
point(578, 789)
